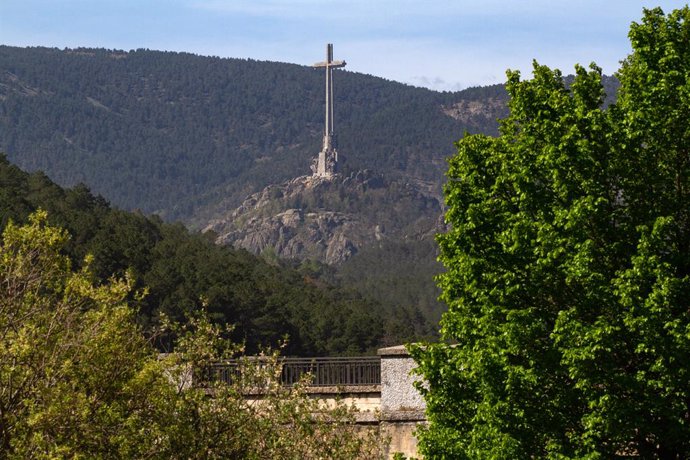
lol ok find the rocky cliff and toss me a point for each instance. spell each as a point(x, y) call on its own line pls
point(328, 220)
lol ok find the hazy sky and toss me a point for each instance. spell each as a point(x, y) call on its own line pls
point(438, 44)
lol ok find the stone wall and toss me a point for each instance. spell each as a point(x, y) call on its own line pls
point(397, 390)
point(402, 407)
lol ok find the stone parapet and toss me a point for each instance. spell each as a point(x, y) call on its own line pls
point(398, 393)
point(402, 407)
point(366, 398)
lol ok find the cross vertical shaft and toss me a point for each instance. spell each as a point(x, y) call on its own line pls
point(326, 161)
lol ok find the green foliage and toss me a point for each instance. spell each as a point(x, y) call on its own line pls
point(264, 301)
point(79, 380)
point(68, 351)
point(568, 268)
point(396, 274)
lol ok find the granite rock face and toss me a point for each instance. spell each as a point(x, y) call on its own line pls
point(327, 219)
point(480, 112)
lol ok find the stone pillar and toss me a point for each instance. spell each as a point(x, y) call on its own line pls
point(402, 407)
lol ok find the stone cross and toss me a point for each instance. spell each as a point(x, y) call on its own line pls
point(328, 157)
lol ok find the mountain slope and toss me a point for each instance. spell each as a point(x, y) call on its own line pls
point(177, 134)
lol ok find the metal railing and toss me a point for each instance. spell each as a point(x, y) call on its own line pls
point(321, 372)
point(363, 370)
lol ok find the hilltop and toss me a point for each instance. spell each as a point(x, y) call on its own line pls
point(182, 272)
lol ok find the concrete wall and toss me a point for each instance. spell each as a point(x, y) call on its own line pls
point(401, 437)
point(394, 408)
point(397, 382)
point(402, 407)
point(367, 399)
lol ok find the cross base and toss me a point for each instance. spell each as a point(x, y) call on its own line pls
point(324, 165)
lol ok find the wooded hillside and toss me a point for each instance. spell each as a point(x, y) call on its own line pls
point(171, 133)
point(184, 271)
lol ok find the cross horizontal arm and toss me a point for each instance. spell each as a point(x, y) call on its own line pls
point(330, 64)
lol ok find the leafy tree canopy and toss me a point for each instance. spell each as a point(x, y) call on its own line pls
point(568, 268)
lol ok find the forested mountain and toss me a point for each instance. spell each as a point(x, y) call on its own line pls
point(170, 132)
point(182, 271)
point(189, 138)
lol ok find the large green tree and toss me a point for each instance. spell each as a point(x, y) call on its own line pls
point(568, 268)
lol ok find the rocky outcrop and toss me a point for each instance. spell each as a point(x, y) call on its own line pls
point(481, 112)
point(328, 236)
point(323, 219)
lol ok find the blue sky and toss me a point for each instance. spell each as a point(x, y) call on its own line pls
point(445, 45)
